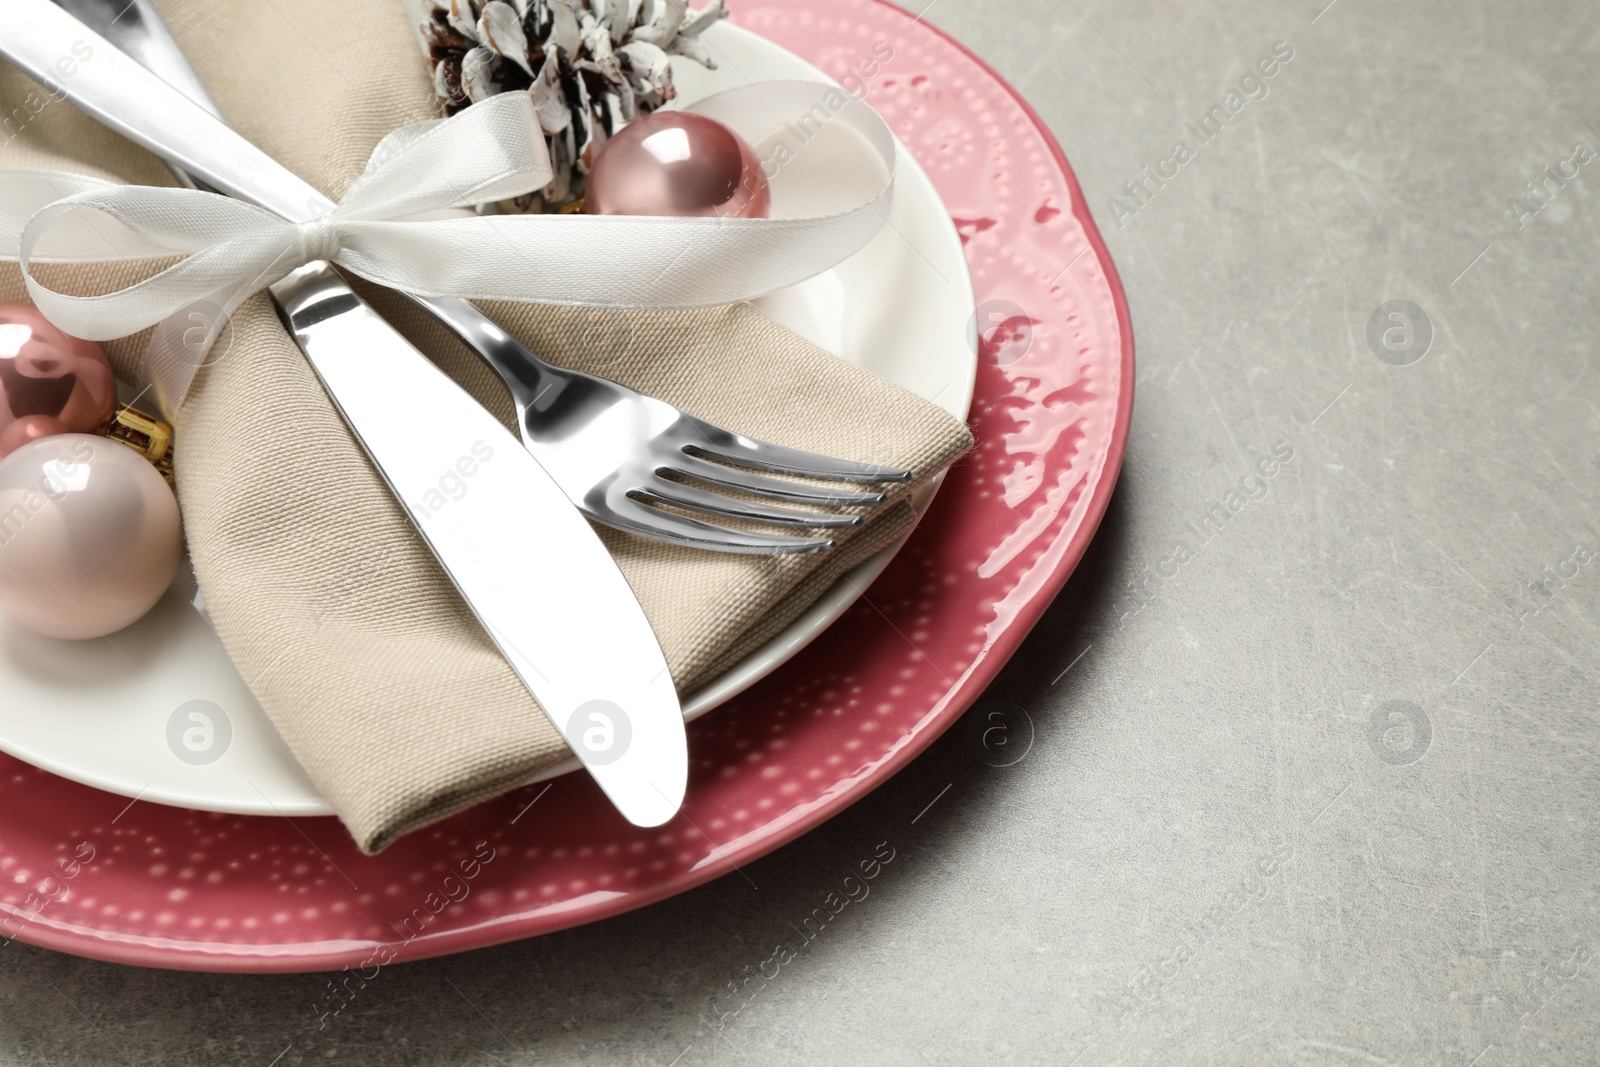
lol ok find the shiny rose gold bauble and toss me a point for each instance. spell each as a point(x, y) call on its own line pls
point(50, 383)
point(677, 163)
point(90, 536)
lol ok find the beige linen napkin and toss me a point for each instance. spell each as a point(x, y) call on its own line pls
point(363, 654)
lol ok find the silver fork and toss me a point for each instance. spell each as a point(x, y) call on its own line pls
point(617, 454)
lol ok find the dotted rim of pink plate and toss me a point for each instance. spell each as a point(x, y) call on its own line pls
point(85, 872)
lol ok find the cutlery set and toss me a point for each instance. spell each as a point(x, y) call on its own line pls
point(590, 448)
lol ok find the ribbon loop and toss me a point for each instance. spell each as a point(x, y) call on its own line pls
point(491, 151)
point(394, 225)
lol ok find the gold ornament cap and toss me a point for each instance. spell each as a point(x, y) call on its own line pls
point(146, 435)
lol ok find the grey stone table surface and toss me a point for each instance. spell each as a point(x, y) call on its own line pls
point(1326, 792)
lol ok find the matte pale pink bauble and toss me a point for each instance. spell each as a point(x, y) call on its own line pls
point(50, 383)
point(677, 163)
point(90, 536)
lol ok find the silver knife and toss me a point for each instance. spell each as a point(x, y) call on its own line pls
point(530, 567)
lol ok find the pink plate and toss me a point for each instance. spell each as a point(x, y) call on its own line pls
point(86, 872)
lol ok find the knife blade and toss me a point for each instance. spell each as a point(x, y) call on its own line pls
point(530, 567)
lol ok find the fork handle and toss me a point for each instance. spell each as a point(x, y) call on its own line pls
point(535, 385)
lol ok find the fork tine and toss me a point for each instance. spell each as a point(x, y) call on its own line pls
point(687, 496)
point(763, 485)
point(762, 455)
point(635, 517)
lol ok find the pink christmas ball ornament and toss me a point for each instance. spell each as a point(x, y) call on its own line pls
point(678, 163)
point(50, 383)
point(90, 536)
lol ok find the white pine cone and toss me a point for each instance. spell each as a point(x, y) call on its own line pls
point(591, 66)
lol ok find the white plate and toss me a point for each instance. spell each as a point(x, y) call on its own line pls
point(116, 713)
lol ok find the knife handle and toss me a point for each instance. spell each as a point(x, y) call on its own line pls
point(116, 90)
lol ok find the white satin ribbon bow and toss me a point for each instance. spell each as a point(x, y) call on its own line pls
point(490, 151)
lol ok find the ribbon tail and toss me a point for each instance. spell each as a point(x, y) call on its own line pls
point(184, 342)
point(606, 261)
